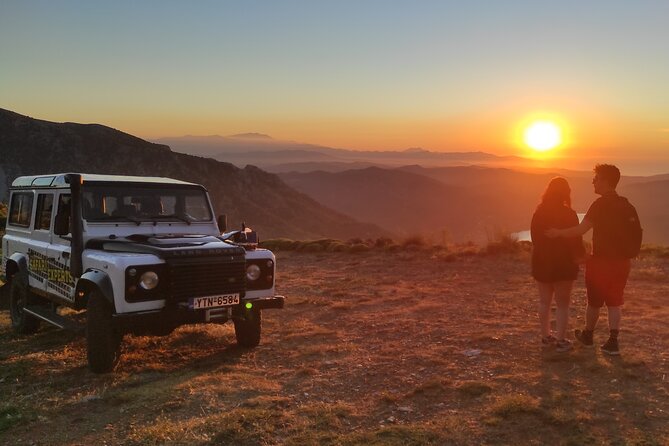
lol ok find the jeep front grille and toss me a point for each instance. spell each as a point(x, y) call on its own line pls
point(205, 277)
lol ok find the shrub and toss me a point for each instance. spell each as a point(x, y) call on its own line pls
point(311, 247)
point(358, 247)
point(514, 404)
point(279, 244)
point(474, 388)
point(382, 242)
point(414, 241)
point(337, 247)
point(504, 244)
point(393, 248)
point(655, 251)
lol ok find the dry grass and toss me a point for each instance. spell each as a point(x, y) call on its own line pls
point(393, 345)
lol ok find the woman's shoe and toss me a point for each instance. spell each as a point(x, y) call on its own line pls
point(563, 345)
point(548, 340)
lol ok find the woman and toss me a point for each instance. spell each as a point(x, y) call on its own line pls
point(555, 261)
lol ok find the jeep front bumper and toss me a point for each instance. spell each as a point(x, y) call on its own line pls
point(169, 318)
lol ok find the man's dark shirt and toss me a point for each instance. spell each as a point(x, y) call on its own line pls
point(603, 214)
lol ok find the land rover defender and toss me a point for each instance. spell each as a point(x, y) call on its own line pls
point(140, 255)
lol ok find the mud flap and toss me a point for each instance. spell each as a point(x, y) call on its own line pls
point(4, 296)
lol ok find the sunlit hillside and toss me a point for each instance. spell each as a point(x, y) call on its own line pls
point(468, 202)
point(30, 146)
point(403, 345)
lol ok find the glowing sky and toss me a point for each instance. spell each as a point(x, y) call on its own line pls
point(359, 74)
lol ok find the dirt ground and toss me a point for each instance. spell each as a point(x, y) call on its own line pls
point(401, 348)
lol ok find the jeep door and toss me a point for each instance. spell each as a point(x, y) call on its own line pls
point(60, 281)
point(38, 251)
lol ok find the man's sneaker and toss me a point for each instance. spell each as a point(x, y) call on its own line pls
point(610, 347)
point(584, 337)
point(548, 340)
point(563, 345)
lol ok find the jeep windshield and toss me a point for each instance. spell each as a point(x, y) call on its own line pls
point(144, 202)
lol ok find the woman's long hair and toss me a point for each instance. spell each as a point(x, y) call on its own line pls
point(557, 192)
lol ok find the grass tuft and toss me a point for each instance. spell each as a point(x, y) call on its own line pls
point(474, 388)
point(433, 387)
point(509, 405)
point(504, 244)
point(9, 416)
point(415, 241)
point(397, 435)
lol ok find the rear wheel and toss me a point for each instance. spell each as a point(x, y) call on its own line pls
point(102, 338)
point(19, 297)
point(247, 328)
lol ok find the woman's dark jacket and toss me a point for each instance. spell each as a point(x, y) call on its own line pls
point(554, 259)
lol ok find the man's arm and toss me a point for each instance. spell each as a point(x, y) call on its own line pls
point(574, 231)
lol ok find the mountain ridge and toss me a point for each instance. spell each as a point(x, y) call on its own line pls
point(242, 151)
point(469, 202)
point(30, 146)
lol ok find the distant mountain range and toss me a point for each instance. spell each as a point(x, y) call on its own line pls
point(286, 156)
point(31, 146)
point(469, 203)
point(321, 191)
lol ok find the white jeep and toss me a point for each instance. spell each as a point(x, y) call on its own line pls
point(141, 255)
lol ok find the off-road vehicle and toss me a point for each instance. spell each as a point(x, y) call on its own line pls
point(141, 255)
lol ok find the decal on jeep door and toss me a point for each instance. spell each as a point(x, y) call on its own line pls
point(56, 273)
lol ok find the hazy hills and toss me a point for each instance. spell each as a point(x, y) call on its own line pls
point(324, 191)
point(286, 156)
point(403, 202)
point(458, 195)
point(468, 203)
point(460, 203)
point(31, 146)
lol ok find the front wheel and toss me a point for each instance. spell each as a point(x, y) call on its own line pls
point(102, 338)
point(247, 328)
point(19, 297)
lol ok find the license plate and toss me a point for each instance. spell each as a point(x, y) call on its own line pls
point(224, 300)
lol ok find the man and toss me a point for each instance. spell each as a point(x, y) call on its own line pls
point(607, 269)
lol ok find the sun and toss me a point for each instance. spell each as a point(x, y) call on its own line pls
point(542, 135)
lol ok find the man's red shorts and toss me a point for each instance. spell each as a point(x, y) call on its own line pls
point(605, 280)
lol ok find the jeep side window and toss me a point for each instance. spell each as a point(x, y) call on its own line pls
point(20, 209)
point(44, 210)
point(63, 224)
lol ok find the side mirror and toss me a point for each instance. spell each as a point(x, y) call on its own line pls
point(61, 225)
point(223, 223)
point(252, 237)
point(248, 237)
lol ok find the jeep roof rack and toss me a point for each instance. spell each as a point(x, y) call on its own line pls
point(58, 180)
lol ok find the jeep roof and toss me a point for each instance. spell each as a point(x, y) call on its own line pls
point(58, 180)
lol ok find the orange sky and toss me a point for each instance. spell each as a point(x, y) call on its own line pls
point(444, 76)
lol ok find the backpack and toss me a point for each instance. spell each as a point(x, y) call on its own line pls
point(628, 229)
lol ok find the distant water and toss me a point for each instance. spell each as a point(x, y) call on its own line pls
point(525, 236)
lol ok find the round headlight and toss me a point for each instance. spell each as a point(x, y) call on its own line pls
point(149, 280)
point(252, 272)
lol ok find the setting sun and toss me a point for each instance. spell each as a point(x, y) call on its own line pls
point(542, 135)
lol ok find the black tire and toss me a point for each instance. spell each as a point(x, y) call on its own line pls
point(19, 297)
point(102, 338)
point(248, 328)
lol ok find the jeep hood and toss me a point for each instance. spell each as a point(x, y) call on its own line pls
point(167, 245)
